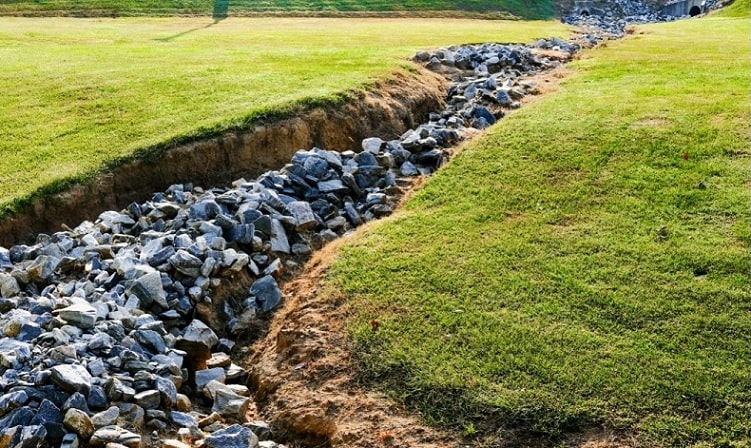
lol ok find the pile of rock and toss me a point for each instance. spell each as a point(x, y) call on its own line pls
point(103, 325)
point(493, 78)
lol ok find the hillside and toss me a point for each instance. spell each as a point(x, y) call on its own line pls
point(529, 10)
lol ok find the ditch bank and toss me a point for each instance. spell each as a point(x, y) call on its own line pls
point(388, 109)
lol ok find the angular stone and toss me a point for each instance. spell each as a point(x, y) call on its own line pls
point(182, 419)
point(266, 292)
point(148, 288)
point(186, 263)
point(80, 314)
point(131, 416)
point(167, 391)
point(71, 378)
point(279, 242)
point(9, 286)
point(197, 339)
point(77, 421)
point(373, 145)
point(332, 186)
point(305, 219)
point(230, 405)
point(204, 377)
point(42, 268)
point(106, 418)
point(234, 436)
point(148, 399)
point(115, 434)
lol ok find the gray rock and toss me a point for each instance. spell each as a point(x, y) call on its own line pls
point(151, 340)
point(230, 405)
point(80, 314)
point(304, 217)
point(148, 288)
point(332, 186)
point(131, 416)
point(71, 378)
point(148, 399)
point(373, 145)
point(234, 436)
point(9, 286)
point(266, 292)
point(12, 400)
point(42, 268)
point(106, 418)
point(182, 419)
point(186, 263)
point(115, 434)
point(279, 242)
point(204, 377)
point(167, 391)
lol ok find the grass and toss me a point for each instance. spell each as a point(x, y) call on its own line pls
point(585, 264)
point(81, 95)
point(526, 9)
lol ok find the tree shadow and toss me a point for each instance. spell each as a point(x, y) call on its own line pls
point(221, 11)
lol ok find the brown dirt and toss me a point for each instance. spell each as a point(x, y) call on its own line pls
point(387, 110)
point(303, 378)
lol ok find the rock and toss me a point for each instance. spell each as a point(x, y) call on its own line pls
point(78, 422)
point(49, 416)
point(148, 288)
point(303, 214)
point(42, 268)
point(182, 419)
point(80, 314)
point(266, 292)
point(148, 399)
point(9, 286)
point(131, 416)
point(71, 378)
point(279, 242)
point(234, 436)
point(230, 405)
point(13, 400)
point(106, 418)
point(167, 391)
point(197, 339)
point(115, 434)
point(186, 263)
point(373, 145)
point(204, 377)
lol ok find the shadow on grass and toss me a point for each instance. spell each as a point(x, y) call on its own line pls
point(221, 11)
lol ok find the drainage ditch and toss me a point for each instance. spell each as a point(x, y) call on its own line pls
point(124, 330)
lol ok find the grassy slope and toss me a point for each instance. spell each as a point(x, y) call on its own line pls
point(572, 269)
point(527, 9)
point(80, 93)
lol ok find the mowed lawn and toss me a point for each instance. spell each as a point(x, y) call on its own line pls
point(585, 265)
point(79, 95)
point(527, 9)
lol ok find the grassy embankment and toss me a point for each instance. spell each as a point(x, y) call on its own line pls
point(80, 95)
point(586, 264)
point(536, 9)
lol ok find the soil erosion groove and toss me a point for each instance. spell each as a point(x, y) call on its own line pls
point(388, 109)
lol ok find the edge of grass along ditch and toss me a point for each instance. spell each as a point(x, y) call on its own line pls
point(585, 265)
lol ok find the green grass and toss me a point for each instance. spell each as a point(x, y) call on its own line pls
point(572, 270)
point(80, 95)
point(527, 9)
point(739, 8)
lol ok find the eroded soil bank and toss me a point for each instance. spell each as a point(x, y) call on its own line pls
point(388, 109)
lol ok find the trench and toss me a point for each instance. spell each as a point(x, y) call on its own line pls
point(135, 314)
point(387, 110)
